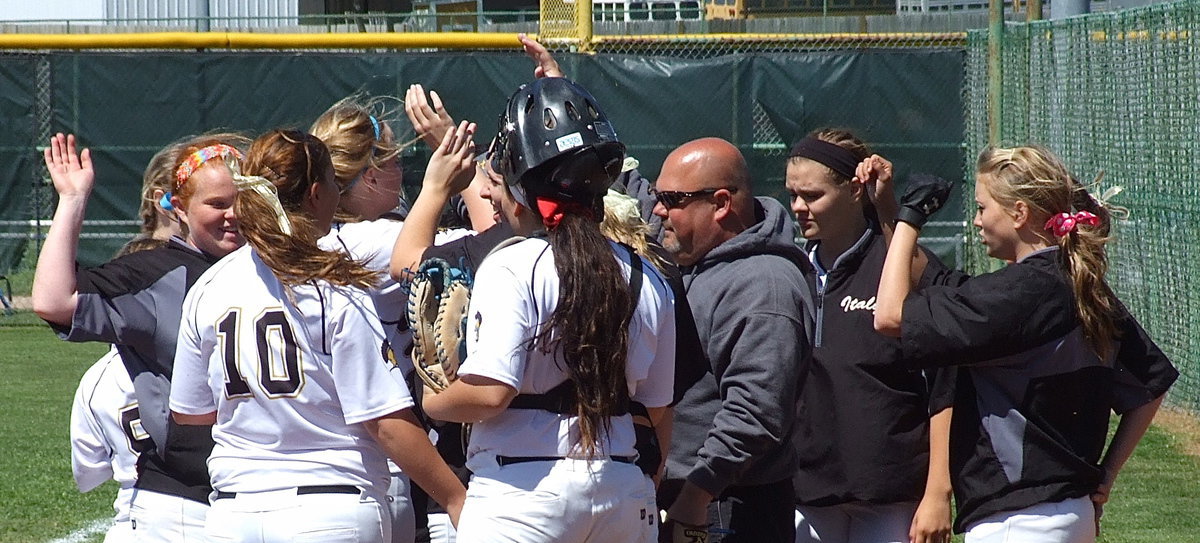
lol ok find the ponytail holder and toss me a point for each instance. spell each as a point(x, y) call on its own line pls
point(267, 190)
point(375, 125)
point(553, 211)
point(1065, 223)
point(198, 158)
point(165, 202)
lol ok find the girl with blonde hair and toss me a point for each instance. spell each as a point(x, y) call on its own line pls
point(1045, 350)
point(366, 161)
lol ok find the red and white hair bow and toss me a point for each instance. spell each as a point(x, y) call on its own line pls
point(1065, 223)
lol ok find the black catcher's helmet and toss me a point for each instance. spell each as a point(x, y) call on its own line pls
point(554, 141)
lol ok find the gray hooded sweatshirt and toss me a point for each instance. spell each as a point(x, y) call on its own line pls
point(753, 313)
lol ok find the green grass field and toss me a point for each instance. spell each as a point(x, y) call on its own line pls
point(40, 373)
point(1157, 498)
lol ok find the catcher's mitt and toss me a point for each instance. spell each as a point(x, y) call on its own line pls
point(437, 313)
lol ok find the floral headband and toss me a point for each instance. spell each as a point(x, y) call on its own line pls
point(197, 159)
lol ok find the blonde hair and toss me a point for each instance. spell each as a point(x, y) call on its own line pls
point(352, 129)
point(159, 175)
point(624, 224)
point(141, 242)
point(292, 162)
point(1036, 176)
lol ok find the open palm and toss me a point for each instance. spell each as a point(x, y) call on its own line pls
point(71, 172)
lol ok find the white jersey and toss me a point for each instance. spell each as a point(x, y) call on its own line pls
point(371, 242)
point(291, 373)
point(515, 292)
point(106, 430)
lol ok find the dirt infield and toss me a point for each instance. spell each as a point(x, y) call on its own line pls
point(1183, 426)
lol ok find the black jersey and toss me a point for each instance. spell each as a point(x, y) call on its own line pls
point(863, 422)
point(1033, 399)
point(135, 302)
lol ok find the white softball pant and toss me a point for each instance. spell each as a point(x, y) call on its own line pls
point(400, 507)
point(1068, 521)
point(856, 522)
point(441, 530)
point(563, 501)
point(156, 517)
point(120, 532)
point(283, 516)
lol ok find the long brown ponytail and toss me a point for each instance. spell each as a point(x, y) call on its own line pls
point(292, 162)
point(590, 324)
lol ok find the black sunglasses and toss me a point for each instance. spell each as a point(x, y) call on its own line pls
point(672, 199)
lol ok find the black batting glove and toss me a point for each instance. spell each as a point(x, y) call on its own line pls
point(926, 194)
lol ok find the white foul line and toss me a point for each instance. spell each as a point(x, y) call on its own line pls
point(83, 534)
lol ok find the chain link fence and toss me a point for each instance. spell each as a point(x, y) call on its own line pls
point(1115, 94)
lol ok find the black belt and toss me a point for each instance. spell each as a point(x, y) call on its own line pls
point(509, 460)
point(313, 489)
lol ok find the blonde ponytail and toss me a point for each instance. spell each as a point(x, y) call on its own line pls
point(1037, 177)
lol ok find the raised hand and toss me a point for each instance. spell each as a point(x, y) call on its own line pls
point(875, 173)
point(546, 65)
point(428, 115)
point(453, 162)
point(925, 195)
point(71, 173)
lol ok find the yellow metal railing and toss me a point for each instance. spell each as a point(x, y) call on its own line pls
point(250, 40)
point(432, 40)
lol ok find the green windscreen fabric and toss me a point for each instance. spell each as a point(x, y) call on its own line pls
point(17, 157)
point(906, 103)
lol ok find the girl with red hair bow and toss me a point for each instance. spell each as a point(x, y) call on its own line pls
point(1046, 351)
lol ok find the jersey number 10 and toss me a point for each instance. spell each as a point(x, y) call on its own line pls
point(276, 379)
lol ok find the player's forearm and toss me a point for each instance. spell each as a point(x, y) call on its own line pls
point(470, 399)
point(937, 483)
point(691, 506)
point(661, 419)
point(664, 423)
point(896, 280)
point(405, 442)
point(419, 229)
point(54, 281)
point(479, 209)
point(1129, 432)
point(206, 419)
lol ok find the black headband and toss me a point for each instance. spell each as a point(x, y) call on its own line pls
point(834, 156)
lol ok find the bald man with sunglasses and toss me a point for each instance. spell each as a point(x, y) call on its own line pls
point(730, 465)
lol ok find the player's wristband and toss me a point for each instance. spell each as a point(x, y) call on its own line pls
point(911, 216)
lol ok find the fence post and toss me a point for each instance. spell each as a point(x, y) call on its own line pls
point(1033, 11)
point(994, 66)
point(200, 10)
point(583, 25)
